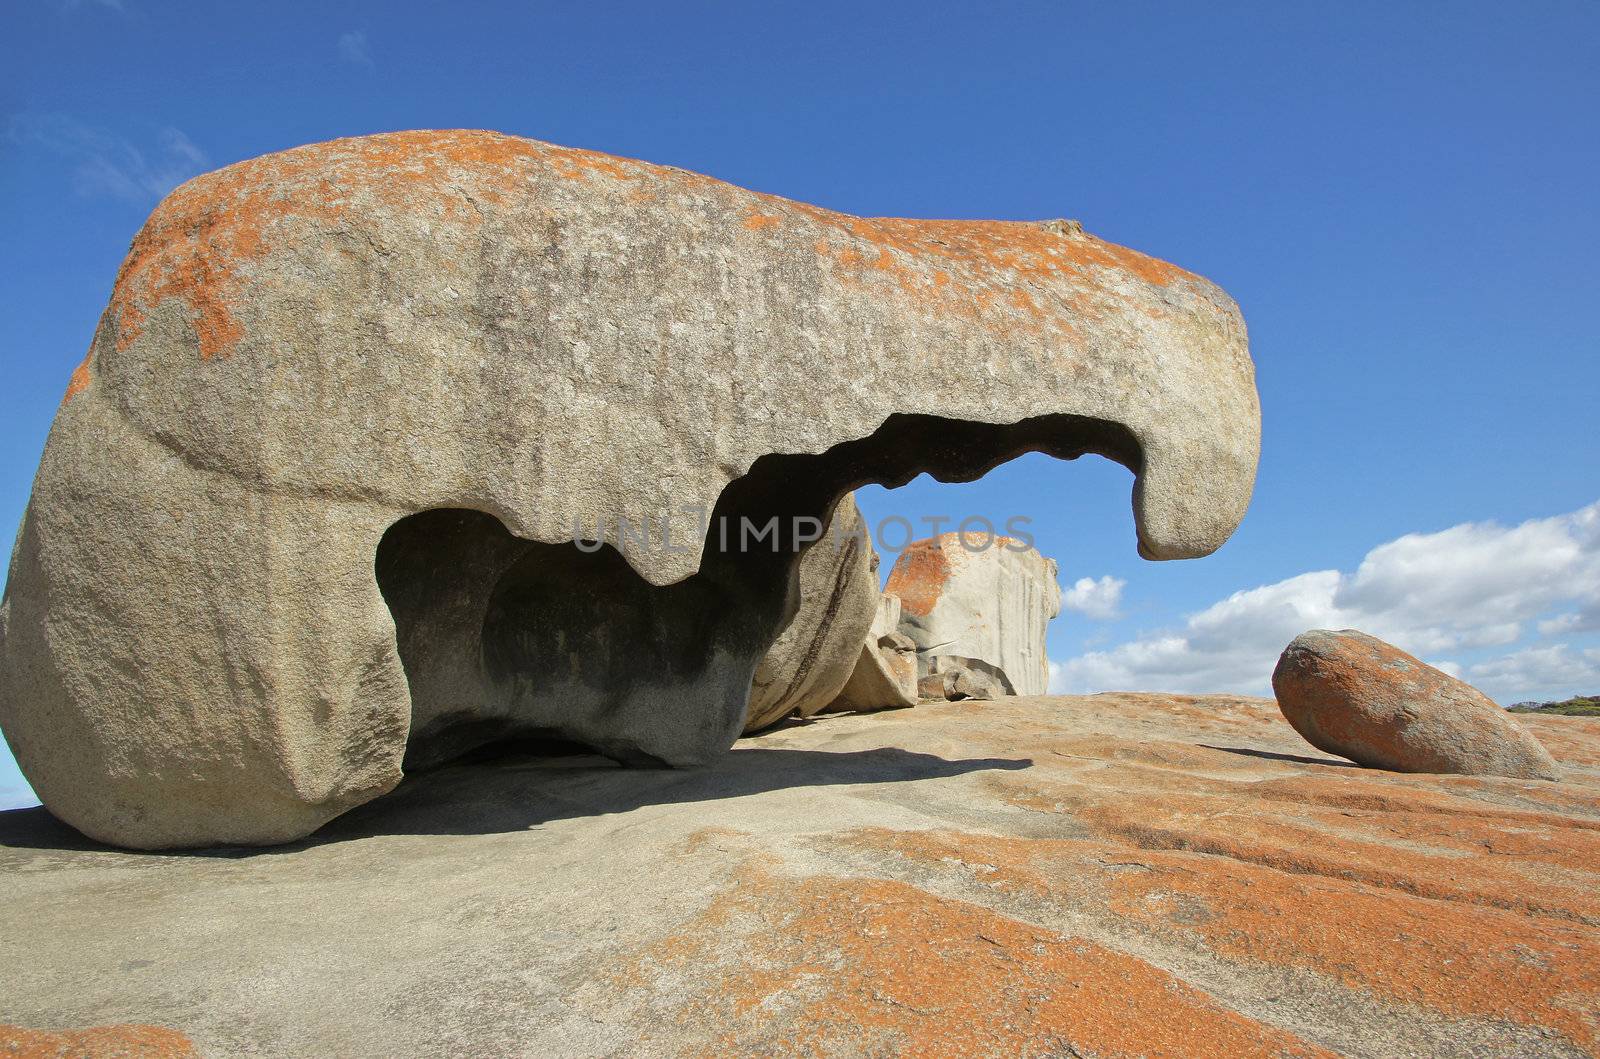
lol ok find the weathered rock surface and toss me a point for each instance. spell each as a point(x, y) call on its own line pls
point(952, 677)
point(978, 597)
point(885, 675)
point(1354, 695)
point(96, 1042)
point(884, 678)
point(1111, 876)
point(814, 657)
point(311, 505)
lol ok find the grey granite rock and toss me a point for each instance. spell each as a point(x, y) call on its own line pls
point(311, 503)
point(979, 596)
point(812, 659)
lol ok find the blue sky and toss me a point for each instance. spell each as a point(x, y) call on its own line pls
point(1401, 197)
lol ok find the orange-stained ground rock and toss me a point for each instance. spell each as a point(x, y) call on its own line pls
point(1354, 695)
point(1115, 875)
point(97, 1042)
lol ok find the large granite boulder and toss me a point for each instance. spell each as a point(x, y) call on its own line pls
point(390, 446)
point(814, 657)
point(1354, 695)
point(979, 596)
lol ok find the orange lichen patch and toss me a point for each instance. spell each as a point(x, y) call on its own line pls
point(1385, 833)
point(854, 966)
point(201, 242)
point(1571, 798)
point(1378, 849)
point(1407, 794)
point(709, 837)
point(1156, 753)
point(1355, 695)
point(1026, 866)
point(98, 1042)
point(919, 576)
point(202, 239)
point(1007, 254)
point(1454, 959)
point(1036, 269)
point(1032, 252)
point(1207, 710)
point(1570, 740)
point(79, 381)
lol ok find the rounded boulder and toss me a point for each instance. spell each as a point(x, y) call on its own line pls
point(1356, 696)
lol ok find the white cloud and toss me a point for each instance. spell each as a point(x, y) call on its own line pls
point(353, 48)
point(1576, 621)
point(1469, 587)
point(1097, 598)
point(109, 165)
point(1553, 670)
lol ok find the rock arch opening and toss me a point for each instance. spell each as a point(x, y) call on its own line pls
point(503, 638)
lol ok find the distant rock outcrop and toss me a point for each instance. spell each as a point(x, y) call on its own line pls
point(1354, 695)
point(985, 598)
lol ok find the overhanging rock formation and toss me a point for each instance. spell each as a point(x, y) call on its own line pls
point(324, 482)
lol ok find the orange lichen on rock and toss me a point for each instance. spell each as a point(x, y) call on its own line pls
point(202, 241)
point(1352, 694)
point(919, 576)
point(1444, 956)
point(79, 381)
point(1442, 896)
point(97, 1042)
point(1028, 867)
point(863, 966)
point(1315, 845)
point(1452, 957)
point(1546, 864)
point(1574, 740)
point(1046, 274)
point(1032, 266)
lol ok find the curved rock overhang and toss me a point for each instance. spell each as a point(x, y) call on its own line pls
point(503, 638)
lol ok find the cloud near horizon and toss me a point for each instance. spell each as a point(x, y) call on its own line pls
point(1466, 589)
